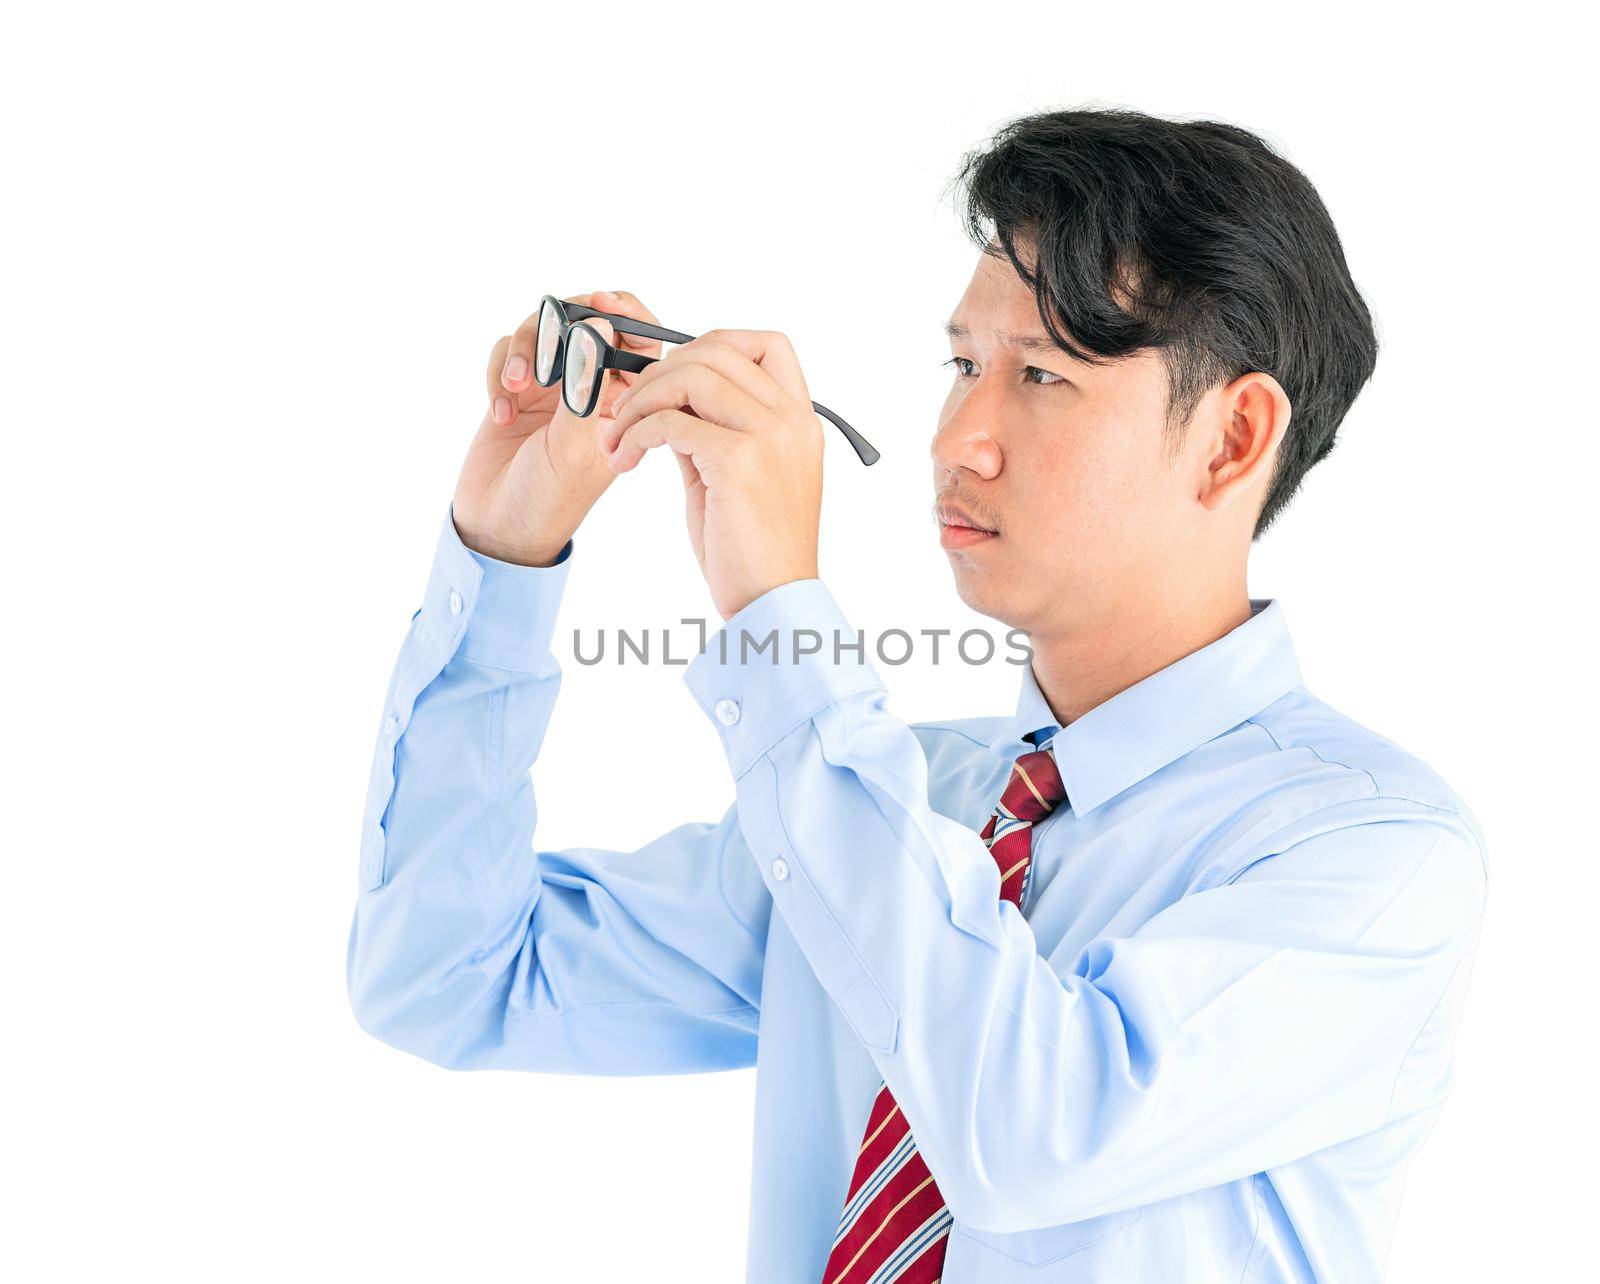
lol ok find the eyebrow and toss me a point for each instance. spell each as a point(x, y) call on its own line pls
point(1031, 342)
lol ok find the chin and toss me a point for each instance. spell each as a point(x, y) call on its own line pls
point(982, 591)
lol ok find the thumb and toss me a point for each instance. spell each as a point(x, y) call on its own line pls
point(611, 386)
point(616, 381)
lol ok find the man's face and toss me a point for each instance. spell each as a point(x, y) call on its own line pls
point(1062, 461)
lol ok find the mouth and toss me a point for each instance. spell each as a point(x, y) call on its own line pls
point(960, 529)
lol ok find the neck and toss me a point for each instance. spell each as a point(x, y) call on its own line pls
point(1085, 666)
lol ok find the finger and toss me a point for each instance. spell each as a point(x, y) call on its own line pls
point(703, 442)
point(724, 359)
point(499, 404)
point(689, 386)
point(627, 305)
point(691, 474)
point(772, 352)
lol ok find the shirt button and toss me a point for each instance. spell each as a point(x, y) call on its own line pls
point(389, 724)
point(780, 869)
point(455, 602)
point(727, 712)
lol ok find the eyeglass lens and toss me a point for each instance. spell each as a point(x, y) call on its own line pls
point(583, 366)
point(546, 344)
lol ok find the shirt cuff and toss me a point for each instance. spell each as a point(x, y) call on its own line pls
point(489, 611)
point(775, 664)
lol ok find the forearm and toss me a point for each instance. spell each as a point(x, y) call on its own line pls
point(473, 948)
point(1239, 1028)
point(448, 877)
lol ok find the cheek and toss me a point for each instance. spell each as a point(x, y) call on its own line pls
point(1090, 488)
point(1063, 474)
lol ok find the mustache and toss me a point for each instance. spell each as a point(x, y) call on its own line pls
point(952, 498)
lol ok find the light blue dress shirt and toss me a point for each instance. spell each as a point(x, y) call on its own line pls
point(1204, 1048)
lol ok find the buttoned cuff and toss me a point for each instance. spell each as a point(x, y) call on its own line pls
point(499, 613)
point(775, 664)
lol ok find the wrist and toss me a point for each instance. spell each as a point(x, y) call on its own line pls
point(543, 549)
point(544, 554)
point(738, 601)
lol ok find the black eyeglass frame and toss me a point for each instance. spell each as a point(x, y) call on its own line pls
point(610, 357)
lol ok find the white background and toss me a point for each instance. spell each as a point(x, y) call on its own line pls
point(254, 260)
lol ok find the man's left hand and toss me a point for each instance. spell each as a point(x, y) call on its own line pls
point(734, 407)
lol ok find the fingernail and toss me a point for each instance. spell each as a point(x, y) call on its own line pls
point(621, 397)
point(502, 410)
point(606, 296)
point(517, 368)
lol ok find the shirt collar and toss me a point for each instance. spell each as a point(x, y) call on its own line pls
point(1162, 717)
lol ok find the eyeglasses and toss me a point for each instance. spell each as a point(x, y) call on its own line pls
point(567, 348)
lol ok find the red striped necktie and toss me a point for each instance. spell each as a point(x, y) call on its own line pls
point(895, 1222)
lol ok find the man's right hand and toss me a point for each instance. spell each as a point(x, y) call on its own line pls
point(534, 469)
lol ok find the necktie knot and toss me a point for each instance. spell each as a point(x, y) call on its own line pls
point(1035, 788)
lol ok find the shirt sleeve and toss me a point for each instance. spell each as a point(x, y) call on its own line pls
point(1240, 1028)
point(471, 948)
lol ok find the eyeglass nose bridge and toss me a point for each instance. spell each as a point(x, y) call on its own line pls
point(568, 313)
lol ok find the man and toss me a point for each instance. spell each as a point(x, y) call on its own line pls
point(1156, 978)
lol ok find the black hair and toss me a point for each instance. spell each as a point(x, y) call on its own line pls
point(1194, 238)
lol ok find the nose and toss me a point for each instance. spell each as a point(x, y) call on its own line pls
point(964, 441)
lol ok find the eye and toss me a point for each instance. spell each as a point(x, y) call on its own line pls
point(1030, 374)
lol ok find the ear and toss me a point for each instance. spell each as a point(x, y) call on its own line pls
point(1253, 414)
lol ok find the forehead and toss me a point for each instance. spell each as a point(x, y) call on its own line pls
point(998, 307)
point(998, 304)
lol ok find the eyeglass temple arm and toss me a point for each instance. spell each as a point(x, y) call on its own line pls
point(627, 325)
point(866, 452)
